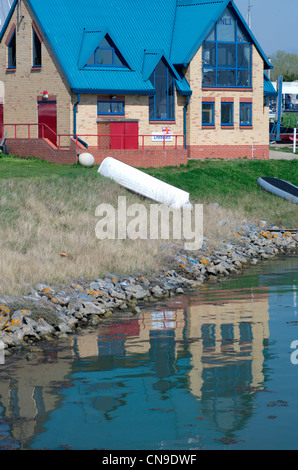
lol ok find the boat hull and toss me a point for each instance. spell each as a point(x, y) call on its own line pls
point(279, 188)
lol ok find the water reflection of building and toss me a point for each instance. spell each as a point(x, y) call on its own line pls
point(228, 333)
point(212, 346)
point(27, 392)
point(217, 332)
point(206, 346)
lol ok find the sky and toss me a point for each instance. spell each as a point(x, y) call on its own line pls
point(273, 22)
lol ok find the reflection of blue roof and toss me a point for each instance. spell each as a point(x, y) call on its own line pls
point(143, 31)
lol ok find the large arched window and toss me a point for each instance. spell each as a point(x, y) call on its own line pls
point(227, 55)
point(162, 104)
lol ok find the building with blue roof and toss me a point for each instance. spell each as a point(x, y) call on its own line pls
point(132, 76)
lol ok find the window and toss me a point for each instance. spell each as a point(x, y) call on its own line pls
point(208, 114)
point(106, 55)
point(12, 60)
point(227, 110)
point(162, 104)
point(110, 107)
point(36, 50)
point(227, 55)
point(245, 114)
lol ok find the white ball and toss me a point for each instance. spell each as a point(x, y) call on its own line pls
point(86, 159)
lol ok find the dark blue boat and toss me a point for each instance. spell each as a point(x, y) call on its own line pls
point(280, 188)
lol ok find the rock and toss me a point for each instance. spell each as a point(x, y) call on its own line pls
point(19, 335)
point(45, 290)
point(28, 332)
point(6, 339)
point(72, 322)
point(212, 270)
point(117, 295)
point(4, 322)
point(4, 310)
point(43, 328)
point(157, 292)
point(179, 290)
point(89, 308)
point(64, 328)
point(19, 315)
point(61, 299)
point(238, 264)
point(95, 320)
point(94, 286)
point(123, 306)
point(222, 270)
point(136, 292)
point(136, 310)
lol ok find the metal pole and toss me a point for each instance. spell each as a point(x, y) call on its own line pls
point(279, 106)
point(294, 141)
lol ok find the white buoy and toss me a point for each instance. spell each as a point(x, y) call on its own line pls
point(87, 160)
point(143, 184)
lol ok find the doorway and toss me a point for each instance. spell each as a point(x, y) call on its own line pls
point(124, 135)
point(47, 114)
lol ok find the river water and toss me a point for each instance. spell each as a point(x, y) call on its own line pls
point(214, 370)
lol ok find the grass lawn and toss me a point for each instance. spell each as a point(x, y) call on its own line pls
point(48, 209)
point(233, 184)
point(11, 167)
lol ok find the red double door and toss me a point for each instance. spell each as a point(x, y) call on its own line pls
point(124, 135)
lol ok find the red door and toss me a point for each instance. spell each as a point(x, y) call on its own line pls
point(117, 131)
point(1, 121)
point(124, 135)
point(131, 135)
point(47, 114)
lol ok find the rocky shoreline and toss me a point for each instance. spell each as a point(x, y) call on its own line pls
point(48, 313)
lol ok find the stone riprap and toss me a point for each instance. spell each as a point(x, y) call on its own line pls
point(49, 313)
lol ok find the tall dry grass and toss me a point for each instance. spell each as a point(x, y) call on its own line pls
point(47, 233)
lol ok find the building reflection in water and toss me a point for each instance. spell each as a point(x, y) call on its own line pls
point(211, 346)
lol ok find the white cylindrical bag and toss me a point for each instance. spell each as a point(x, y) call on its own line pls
point(141, 183)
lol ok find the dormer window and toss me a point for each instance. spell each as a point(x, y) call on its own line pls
point(106, 55)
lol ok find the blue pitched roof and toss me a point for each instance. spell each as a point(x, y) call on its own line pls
point(269, 89)
point(143, 31)
point(151, 59)
point(90, 41)
point(193, 21)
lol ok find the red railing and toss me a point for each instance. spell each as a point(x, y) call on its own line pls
point(44, 131)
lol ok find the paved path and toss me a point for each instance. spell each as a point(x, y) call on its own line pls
point(275, 155)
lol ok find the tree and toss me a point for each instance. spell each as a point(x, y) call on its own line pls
point(285, 64)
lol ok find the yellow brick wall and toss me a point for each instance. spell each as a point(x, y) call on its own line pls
point(258, 135)
point(136, 107)
point(24, 85)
